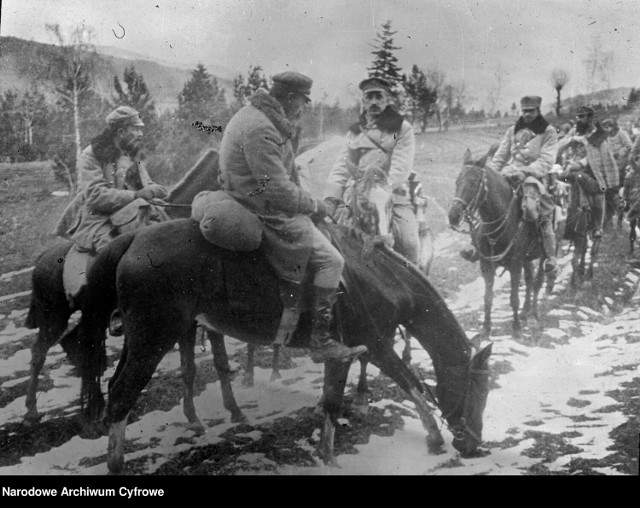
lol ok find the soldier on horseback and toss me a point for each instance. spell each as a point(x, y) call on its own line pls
point(525, 156)
point(113, 185)
point(380, 148)
point(258, 170)
point(588, 158)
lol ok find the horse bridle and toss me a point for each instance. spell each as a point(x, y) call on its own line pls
point(469, 215)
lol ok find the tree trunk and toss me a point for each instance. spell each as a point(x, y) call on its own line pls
point(558, 103)
point(76, 122)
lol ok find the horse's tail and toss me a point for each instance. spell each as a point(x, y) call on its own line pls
point(100, 299)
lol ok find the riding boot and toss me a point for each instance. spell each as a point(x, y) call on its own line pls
point(323, 347)
point(548, 244)
point(116, 327)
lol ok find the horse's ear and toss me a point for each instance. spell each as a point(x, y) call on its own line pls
point(483, 355)
point(467, 158)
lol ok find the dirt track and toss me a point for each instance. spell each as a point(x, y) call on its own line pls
point(560, 395)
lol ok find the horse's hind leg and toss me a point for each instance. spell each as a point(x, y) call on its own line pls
point(188, 366)
point(361, 398)
point(335, 380)
point(275, 363)
point(248, 378)
point(221, 363)
point(528, 294)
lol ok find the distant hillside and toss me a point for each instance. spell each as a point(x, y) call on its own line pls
point(164, 81)
point(608, 97)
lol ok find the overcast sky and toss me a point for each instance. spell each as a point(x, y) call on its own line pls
point(470, 41)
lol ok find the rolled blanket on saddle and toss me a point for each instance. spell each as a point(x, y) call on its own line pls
point(226, 223)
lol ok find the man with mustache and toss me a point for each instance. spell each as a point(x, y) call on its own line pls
point(379, 149)
point(257, 169)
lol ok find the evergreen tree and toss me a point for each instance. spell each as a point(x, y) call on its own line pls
point(420, 98)
point(384, 64)
point(244, 88)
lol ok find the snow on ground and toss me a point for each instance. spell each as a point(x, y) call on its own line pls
point(555, 390)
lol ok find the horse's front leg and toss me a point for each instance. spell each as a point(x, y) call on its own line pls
point(595, 248)
point(488, 274)
point(335, 380)
point(248, 378)
point(386, 359)
point(528, 292)
point(632, 236)
point(188, 366)
point(516, 275)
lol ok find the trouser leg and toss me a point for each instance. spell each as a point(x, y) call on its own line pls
point(406, 232)
point(598, 203)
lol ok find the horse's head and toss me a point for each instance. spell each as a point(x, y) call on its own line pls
point(469, 188)
point(462, 399)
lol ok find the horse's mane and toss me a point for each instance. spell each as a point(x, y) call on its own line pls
point(202, 176)
point(389, 275)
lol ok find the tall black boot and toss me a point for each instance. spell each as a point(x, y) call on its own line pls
point(323, 346)
point(549, 244)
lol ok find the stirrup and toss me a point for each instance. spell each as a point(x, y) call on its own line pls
point(551, 266)
point(116, 326)
point(597, 233)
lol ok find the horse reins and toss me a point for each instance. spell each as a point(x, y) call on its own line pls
point(475, 223)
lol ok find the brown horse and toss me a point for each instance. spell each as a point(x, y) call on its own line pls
point(167, 276)
point(501, 236)
point(50, 310)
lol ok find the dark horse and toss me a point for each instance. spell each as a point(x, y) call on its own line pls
point(167, 276)
point(50, 311)
point(501, 237)
point(580, 223)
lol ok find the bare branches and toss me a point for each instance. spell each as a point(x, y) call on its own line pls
point(559, 79)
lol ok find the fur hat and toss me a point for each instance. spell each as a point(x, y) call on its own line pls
point(292, 81)
point(585, 110)
point(530, 101)
point(375, 85)
point(124, 115)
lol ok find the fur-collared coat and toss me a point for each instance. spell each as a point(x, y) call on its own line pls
point(529, 147)
point(257, 169)
point(103, 188)
point(388, 143)
point(592, 149)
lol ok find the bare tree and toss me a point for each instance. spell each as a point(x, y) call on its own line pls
point(599, 65)
point(559, 78)
point(435, 81)
point(72, 69)
point(495, 94)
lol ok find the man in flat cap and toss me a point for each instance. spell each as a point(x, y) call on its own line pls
point(589, 158)
point(258, 170)
point(525, 156)
point(112, 180)
point(380, 146)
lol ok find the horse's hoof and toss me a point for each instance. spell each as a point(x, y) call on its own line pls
point(239, 418)
point(361, 405)
point(198, 427)
point(115, 466)
point(435, 444)
point(275, 376)
point(32, 418)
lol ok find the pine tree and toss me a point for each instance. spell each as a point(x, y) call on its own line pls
point(384, 64)
point(420, 98)
point(202, 99)
point(243, 88)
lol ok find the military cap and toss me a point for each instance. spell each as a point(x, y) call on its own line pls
point(585, 110)
point(375, 85)
point(294, 82)
point(530, 101)
point(124, 115)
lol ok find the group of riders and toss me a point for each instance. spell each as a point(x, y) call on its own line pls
point(371, 186)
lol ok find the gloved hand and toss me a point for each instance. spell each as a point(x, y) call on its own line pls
point(159, 191)
point(320, 213)
point(332, 205)
point(513, 173)
point(146, 194)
